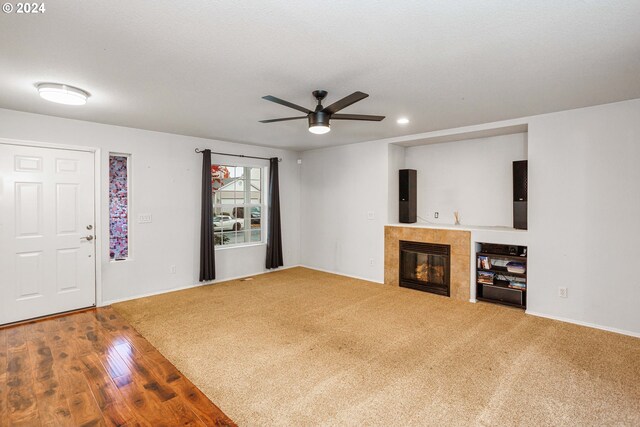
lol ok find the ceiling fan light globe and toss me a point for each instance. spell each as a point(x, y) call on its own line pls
point(319, 122)
point(319, 129)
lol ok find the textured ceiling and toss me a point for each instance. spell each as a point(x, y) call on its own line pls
point(200, 67)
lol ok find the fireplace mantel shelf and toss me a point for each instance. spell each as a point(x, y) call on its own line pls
point(461, 227)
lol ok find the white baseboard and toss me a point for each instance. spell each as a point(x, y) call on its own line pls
point(195, 285)
point(150, 294)
point(340, 274)
point(587, 324)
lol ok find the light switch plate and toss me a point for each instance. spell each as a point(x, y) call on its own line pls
point(145, 218)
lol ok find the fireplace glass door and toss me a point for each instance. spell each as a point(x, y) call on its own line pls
point(425, 266)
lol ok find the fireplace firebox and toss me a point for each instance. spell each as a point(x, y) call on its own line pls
point(425, 267)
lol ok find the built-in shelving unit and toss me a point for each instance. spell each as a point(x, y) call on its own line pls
point(501, 274)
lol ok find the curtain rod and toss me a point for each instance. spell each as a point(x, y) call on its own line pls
point(238, 155)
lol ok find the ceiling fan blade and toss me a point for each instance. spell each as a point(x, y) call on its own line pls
point(357, 117)
point(286, 103)
point(345, 102)
point(282, 119)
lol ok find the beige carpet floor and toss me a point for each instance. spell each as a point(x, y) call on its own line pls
point(301, 347)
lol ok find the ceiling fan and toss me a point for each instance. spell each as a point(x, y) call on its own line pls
point(320, 117)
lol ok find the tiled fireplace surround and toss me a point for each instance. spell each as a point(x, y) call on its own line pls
point(460, 242)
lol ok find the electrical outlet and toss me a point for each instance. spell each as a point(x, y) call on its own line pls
point(371, 215)
point(372, 261)
point(436, 214)
point(562, 292)
point(172, 269)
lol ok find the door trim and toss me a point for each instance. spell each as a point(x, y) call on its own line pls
point(97, 173)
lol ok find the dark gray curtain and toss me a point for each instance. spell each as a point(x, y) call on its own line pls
point(207, 252)
point(274, 235)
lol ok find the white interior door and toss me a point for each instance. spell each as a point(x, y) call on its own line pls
point(47, 230)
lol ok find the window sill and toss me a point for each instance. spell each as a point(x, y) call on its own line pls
point(249, 245)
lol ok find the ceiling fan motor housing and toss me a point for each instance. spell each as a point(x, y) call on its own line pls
point(319, 118)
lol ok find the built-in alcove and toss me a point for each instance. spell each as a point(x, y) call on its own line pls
point(473, 177)
point(471, 173)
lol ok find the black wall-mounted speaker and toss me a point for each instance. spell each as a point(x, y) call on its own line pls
point(520, 183)
point(408, 196)
point(520, 194)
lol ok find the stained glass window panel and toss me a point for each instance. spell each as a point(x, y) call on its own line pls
point(118, 208)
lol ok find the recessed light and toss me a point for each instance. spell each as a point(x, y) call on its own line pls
point(402, 121)
point(62, 94)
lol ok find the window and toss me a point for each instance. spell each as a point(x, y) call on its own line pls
point(118, 207)
point(237, 204)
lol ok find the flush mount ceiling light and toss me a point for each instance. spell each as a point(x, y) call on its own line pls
point(402, 121)
point(62, 94)
point(319, 118)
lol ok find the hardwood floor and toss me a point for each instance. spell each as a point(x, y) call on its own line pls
point(93, 369)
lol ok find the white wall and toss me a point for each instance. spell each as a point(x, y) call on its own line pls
point(341, 185)
point(473, 177)
point(166, 184)
point(584, 214)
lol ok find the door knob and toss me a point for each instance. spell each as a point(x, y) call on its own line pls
point(89, 238)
